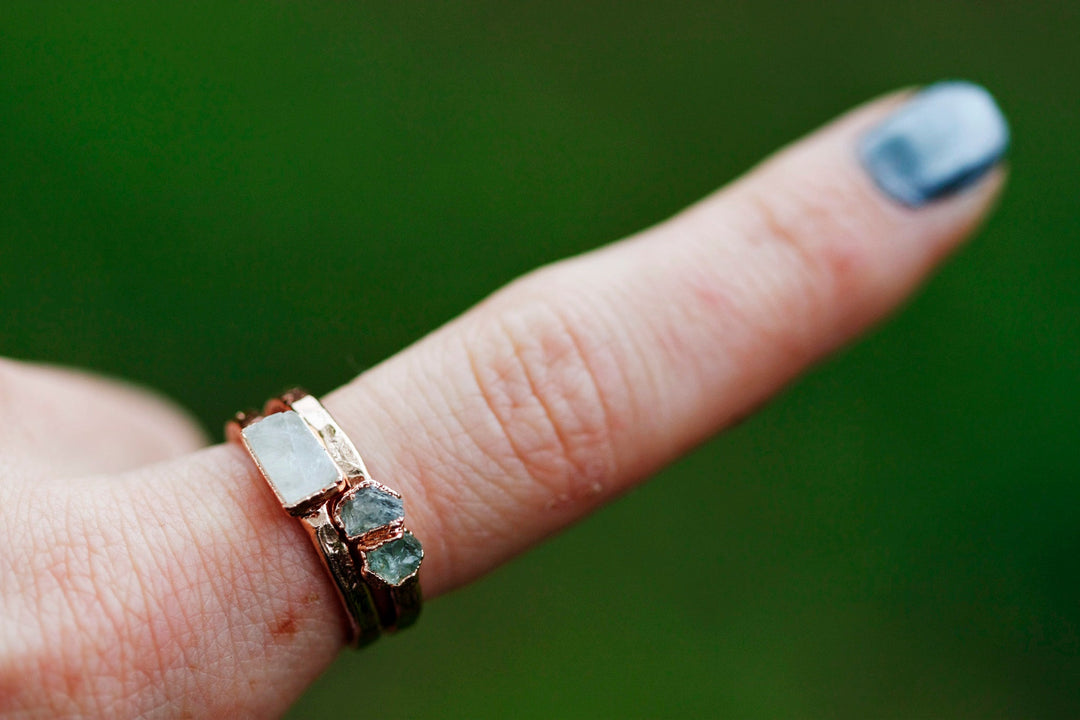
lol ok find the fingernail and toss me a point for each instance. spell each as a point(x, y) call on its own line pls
point(944, 139)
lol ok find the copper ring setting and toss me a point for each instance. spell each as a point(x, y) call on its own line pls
point(356, 524)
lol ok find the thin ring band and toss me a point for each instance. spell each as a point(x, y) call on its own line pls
point(397, 599)
point(356, 524)
point(360, 610)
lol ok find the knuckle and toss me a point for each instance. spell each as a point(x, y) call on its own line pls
point(547, 387)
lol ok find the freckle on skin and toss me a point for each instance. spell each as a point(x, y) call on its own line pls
point(73, 679)
point(285, 627)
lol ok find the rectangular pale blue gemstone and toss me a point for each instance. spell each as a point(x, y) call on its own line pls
point(292, 458)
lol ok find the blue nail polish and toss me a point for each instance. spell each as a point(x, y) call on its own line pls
point(943, 139)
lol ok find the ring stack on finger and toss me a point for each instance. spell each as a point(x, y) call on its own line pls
point(357, 524)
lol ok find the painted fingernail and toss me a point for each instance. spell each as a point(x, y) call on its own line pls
point(943, 139)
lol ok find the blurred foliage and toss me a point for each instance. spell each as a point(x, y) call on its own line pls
point(220, 199)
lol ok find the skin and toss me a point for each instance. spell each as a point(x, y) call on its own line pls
point(169, 583)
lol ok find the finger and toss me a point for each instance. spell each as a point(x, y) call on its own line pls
point(61, 423)
point(583, 378)
point(557, 393)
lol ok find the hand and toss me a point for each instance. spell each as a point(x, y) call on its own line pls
point(140, 576)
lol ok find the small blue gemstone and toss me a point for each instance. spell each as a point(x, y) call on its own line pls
point(369, 508)
point(396, 560)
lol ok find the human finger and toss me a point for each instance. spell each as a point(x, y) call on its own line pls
point(61, 422)
point(557, 393)
point(581, 379)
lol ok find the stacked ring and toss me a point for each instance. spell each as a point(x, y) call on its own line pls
point(357, 524)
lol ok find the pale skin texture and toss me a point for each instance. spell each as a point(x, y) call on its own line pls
point(553, 396)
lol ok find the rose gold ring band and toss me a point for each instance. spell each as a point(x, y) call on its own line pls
point(357, 524)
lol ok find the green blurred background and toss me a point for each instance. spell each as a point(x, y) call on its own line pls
point(896, 536)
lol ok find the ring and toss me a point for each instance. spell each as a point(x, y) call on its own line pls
point(357, 524)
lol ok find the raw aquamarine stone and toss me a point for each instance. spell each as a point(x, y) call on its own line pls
point(396, 560)
point(291, 456)
point(369, 508)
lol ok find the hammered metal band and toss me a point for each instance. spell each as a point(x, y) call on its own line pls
point(357, 524)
